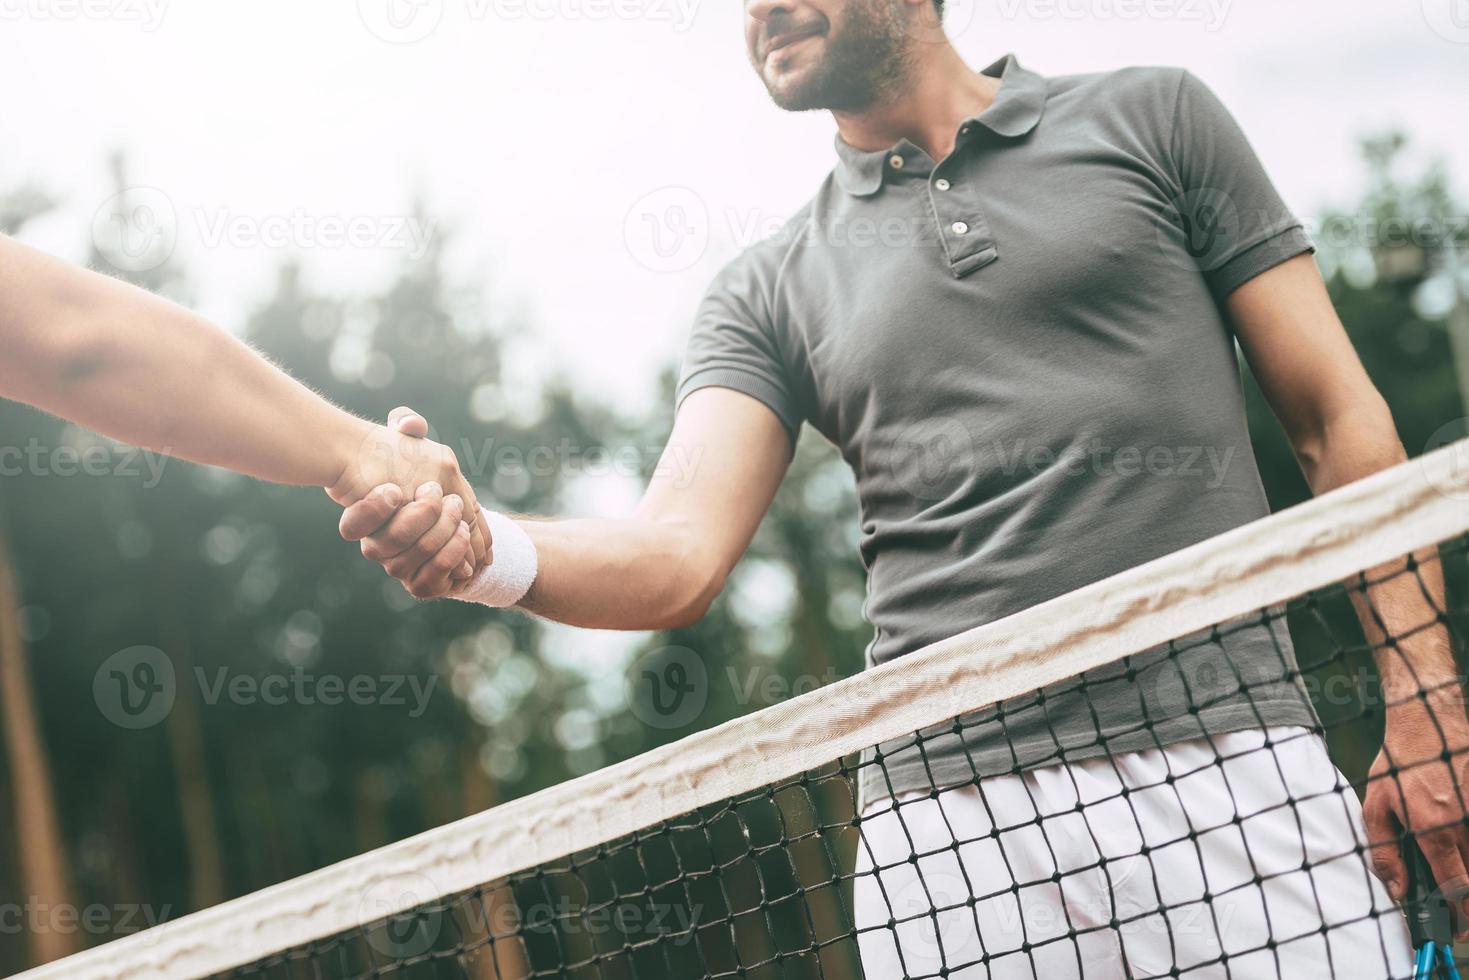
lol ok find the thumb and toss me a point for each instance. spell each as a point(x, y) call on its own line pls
point(408, 422)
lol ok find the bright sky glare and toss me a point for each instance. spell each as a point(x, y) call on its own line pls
point(599, 160)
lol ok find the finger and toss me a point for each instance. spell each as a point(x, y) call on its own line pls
point(402, 532)
point(370, 513)
point(1441, 850)
point(408, 422)
point(1383, 834)
point(1461, 924)
point(430, 543)
point(478, 535)
point(433, 577)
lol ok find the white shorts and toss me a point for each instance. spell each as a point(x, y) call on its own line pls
point(1203, 873)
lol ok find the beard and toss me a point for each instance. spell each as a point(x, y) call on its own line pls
point(863, 61)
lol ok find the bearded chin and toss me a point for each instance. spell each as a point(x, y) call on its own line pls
point(866, 62)
point(834, 87)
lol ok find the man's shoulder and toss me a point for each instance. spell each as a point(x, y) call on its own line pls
point(767, 243)
point(1140, 86)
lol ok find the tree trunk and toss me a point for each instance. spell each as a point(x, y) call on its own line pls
point(41, 853)
point(191, 769)
point(502, 956)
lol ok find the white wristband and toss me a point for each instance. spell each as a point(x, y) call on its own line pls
point(510, 574)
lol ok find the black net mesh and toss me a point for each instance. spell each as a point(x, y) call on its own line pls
point(1242, 852)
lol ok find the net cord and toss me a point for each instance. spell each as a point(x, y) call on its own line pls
point(1410, 507)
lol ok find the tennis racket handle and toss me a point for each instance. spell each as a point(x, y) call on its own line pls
point(1430, 916)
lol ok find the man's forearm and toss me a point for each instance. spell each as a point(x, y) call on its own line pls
point(145, 371)
point(632, 574)
point(1401, 613)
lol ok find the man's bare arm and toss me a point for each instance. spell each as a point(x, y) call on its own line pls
point(662, 565)
point(145, 371)
point(1341, 430)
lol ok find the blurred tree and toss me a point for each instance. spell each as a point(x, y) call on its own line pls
point(39, 851)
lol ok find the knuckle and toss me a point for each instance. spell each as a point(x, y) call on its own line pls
point(402, 567)
point(407, 536)
point(1437, 845)
point(418, 513)
point(430, 588)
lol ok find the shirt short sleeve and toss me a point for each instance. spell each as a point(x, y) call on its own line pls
point(734, 345)
point(1229, 214)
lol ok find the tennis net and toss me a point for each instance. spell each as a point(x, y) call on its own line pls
point(771, 847)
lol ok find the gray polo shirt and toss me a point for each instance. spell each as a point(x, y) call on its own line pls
point(1020, 351)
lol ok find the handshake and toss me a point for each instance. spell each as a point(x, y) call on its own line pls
point(410, 506)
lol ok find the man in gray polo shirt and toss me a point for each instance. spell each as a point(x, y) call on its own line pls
point(1014, 307)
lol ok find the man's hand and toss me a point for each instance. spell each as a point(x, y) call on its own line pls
point(426, 544)
point(1420, 783)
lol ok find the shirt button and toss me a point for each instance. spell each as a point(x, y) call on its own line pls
point(960, 228)
point(896, 162)
point(942, 184)
point(963, 130)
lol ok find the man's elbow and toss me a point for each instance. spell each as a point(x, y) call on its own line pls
point(691, 606)
point(696, 586)
point(1361, 439)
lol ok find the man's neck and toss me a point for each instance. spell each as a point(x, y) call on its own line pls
point(942, 92)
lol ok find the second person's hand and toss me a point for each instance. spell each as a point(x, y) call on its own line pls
point(388, 466)
point(423, 543)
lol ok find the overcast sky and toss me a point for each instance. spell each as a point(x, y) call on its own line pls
point(560, 136)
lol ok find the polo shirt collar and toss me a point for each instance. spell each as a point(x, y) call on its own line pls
point(1016, 110)
point(1019, 102)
